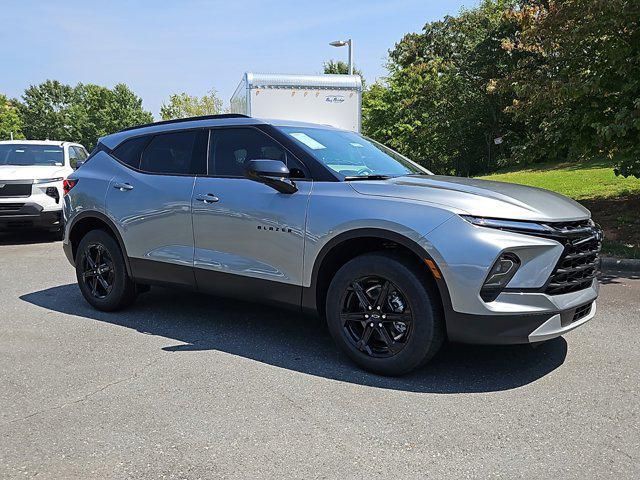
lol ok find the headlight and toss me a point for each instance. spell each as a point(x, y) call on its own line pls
point(47, 180)
point(499, 276)
point(508, 224)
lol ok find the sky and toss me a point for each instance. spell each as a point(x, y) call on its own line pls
point(162, 47)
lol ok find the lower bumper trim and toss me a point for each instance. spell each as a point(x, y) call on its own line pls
point(514, 328)
point(554, 327)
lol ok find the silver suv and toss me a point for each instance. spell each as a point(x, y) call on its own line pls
point(324, 220)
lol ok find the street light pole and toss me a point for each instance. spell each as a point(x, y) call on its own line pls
point(342, 43)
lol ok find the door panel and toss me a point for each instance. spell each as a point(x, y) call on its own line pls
point(153, 213)
point(251, 230)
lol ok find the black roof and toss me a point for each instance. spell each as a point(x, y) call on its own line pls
point(188, 119)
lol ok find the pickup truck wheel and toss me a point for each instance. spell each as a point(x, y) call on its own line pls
point(102, 274)
point(384, 314)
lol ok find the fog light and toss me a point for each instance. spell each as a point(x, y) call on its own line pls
point(53, 193)
point(502, 271)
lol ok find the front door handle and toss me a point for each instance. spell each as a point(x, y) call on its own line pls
point(207, 198)
point(123, 187)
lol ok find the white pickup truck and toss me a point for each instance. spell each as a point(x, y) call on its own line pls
point(32, 182)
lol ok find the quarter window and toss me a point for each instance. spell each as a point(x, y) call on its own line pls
point(130, 151)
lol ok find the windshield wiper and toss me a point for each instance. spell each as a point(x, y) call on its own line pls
point(367, 177)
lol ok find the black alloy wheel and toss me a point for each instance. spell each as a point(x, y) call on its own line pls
point(384, 312)
point(376, 317)
point(98, 270)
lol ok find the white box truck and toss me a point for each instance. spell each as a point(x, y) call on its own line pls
point(334, 100)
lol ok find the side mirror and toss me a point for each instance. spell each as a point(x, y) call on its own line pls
point(78, 164)
point(273, 173)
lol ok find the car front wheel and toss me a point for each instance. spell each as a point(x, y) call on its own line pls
point(384, 313)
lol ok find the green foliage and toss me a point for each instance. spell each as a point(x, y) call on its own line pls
point(553, 80)
point(10, 122)
point(440, 104)
point(45, 111)
point(182, 105)
point(341, 68)
point(97, 111)
point(579, 91)
point(82, 113)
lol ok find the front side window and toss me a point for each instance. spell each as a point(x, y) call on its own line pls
point(352, 155)
point(231, 149)
point(31, 155)
point(176, 153)
point(82, 153)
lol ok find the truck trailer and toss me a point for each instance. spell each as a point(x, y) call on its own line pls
point(334, 100)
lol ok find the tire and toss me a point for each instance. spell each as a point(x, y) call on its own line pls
point(122, 289)
point(409, 292)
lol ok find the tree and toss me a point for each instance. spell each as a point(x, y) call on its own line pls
point(341, 68)
point(97, 111)
point(45, 111)
point(579, 93)
point(441, 104)
point(182, 105)
point(10, 122)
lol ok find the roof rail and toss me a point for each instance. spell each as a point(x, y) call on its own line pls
point(188, 119)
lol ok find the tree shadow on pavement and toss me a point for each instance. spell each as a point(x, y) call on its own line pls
point(289, 340)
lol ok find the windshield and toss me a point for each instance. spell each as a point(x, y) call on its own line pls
point(30, 155)
point(352, 155)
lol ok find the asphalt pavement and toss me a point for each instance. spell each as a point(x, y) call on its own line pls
point(188, 386)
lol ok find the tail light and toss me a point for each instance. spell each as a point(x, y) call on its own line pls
point(68, 184)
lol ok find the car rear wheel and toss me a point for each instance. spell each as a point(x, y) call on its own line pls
point(102, 274)
point(384, 313)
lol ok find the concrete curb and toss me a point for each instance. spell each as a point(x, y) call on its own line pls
point(620, 264)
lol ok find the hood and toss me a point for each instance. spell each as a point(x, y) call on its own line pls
point(482, 198)
point(32, 172)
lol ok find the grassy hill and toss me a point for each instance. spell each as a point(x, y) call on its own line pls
point(614, 201)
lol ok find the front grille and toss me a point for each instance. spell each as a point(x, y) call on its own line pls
point(578, 264)
point(15, 189)
point(11, 207)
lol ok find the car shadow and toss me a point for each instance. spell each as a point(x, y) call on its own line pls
point(299, 343)
point(27, 237)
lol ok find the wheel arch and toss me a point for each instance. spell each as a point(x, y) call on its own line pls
point(348, 245)
point(86, 221)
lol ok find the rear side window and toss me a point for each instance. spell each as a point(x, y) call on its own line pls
point(130, 151)
point(176, 153)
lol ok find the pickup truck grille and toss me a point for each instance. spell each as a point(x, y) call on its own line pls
point(579, 262)
point(15, 189)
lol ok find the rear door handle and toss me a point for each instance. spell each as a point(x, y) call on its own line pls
point(207, 198)
point(123, 187)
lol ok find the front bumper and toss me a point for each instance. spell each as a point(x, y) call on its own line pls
point(17, 216)
point(560, 315)
point(527, 311)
